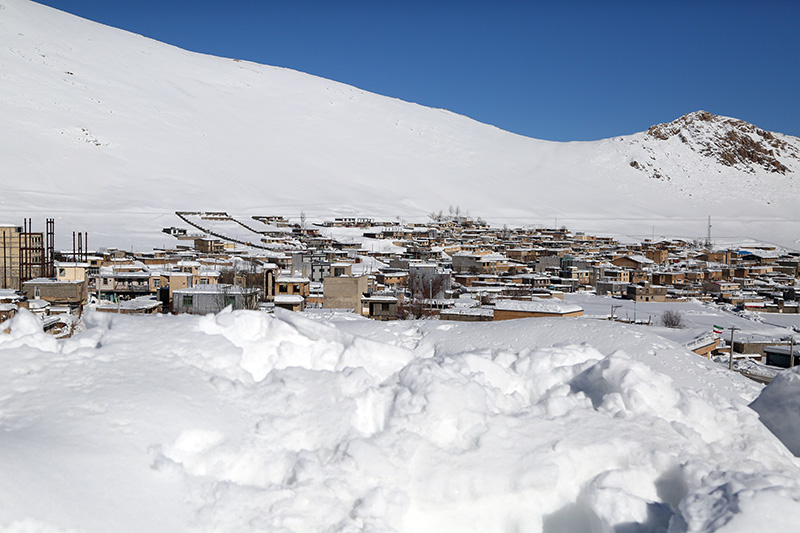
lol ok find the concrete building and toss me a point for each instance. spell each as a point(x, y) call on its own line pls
point(344, 292)
point(646, 292)
point(56, 292)
point(380, 307)
point(290, 302)
point(202, 299)
point(22, 256)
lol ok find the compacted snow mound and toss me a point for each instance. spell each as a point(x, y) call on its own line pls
point(778, 406)
point(244, 421)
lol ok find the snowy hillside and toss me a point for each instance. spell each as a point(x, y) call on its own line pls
point(246, 421)
point(111, 133)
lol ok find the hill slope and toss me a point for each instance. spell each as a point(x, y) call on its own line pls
point(112, 132)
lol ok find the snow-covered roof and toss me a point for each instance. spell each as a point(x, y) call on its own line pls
point(37, 303)
point(10, 294)
point(640, 259)
point(52, 281)
point(216, 289)
point(384, 299)
point(139, 303)
point(292, 279)
point(538, 305)
point(469, 311)
point(288, 299)
point(71, 264)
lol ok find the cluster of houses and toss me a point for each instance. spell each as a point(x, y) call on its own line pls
point(453, 267)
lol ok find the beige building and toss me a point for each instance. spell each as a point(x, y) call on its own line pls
point(22, 256)
point(292, 286)
point(175, 281)
point(656, 256)
point(646, 293)
point(344, 292)
point(71, 271)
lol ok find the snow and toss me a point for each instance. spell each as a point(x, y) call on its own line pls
point(248, 421)
point(537, 305)
point(699, 317)
point(138, 303)
point(92, 113)
point(346, 235)
point(289, 299)
point(778, 406)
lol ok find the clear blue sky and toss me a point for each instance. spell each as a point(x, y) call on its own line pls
point(555, 70)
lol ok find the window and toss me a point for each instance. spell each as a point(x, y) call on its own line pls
point(187, 300)
point(62, 272)
point(203, 281)
point(156, 282)
point(36, 293)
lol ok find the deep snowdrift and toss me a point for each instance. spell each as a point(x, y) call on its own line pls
point(245, 421)
point(778, 405)
point(111, 133)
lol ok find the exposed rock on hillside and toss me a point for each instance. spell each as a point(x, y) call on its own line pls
point(732, 142)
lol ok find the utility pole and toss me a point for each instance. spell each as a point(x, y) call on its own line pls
point(730, 361)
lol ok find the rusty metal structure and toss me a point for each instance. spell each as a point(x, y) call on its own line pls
point(80, 253)
point(26, 254)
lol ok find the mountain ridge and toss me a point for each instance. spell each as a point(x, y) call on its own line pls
point(741, 143)
point(112, 132)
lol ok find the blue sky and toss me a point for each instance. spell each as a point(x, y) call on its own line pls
point(563, 71)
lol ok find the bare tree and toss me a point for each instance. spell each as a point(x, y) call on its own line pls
point(672, 319)
point(422, 286)
point(223, 297)
point(410, 309)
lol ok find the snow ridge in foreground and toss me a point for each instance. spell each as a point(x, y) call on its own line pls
point(246, 421)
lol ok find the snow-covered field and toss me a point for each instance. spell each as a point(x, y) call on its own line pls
point(698, 317)
point(111, 133)
point(245, 421)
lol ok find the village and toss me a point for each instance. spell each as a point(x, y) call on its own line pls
point(452, 267)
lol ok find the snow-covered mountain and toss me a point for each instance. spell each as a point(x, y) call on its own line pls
point(111, 132)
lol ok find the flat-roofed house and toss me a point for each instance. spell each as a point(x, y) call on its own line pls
point(511, 309)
